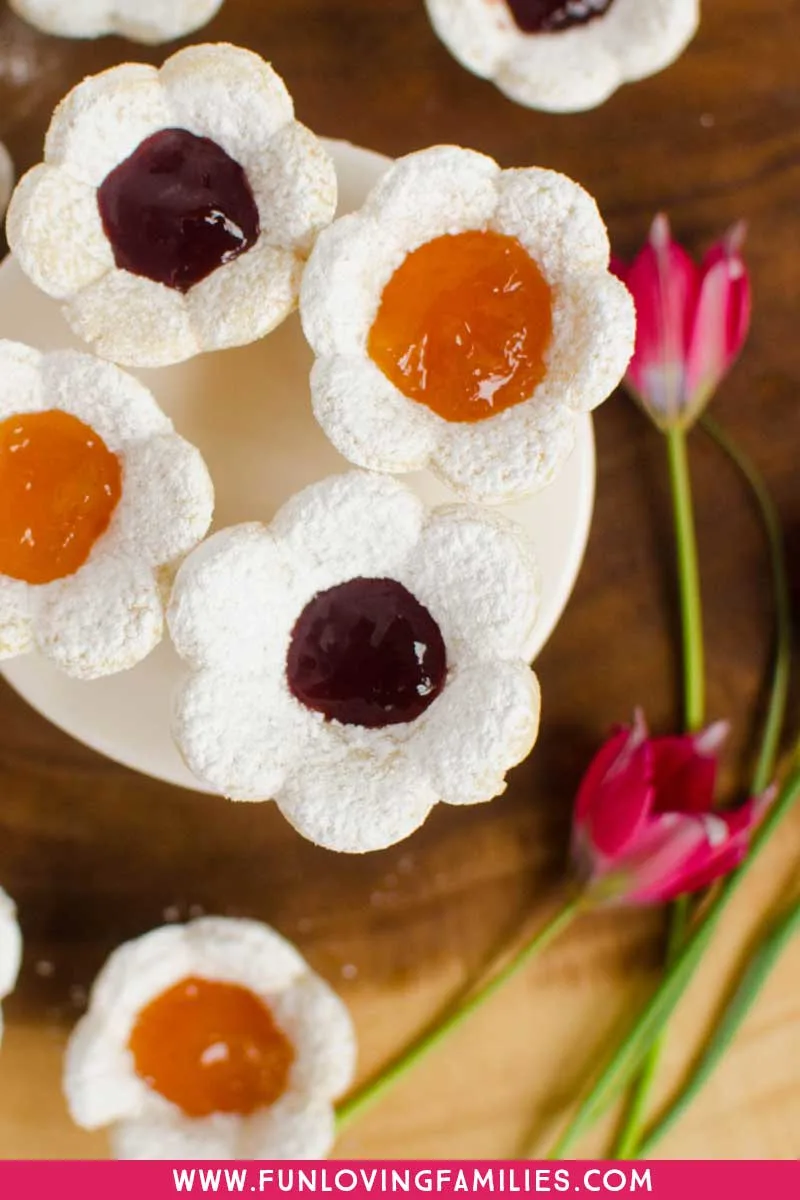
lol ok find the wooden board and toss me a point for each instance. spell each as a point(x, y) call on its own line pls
point(94, 854)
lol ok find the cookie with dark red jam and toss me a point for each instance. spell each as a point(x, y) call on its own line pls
point(366, 652)
point(564, 55)
point(175, 207)
point(551, 16)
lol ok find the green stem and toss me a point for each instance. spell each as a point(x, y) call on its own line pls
point(742, 999)
point(376, 1088)
point(688, 582)
point(629, 1055)
point(694, 715)
point(763, 774)
point(636, 1116)
point(764, 771)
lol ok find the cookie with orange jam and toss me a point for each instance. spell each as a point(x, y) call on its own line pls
point(99, 500)
point(462, 320)
point(213, 1039)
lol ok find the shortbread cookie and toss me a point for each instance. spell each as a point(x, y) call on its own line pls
point(462, 320)
point(6, 179)
point(98, 495)
point(149, 21)
point(358, 660)
point(211, 1040)
point(564, 55)
point(175, 208)
point(10, 949)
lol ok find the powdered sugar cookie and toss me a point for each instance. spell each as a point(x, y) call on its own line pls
point(175, 207)
point(10, 949)
point(149, 21)
point(6, 178)
point(358, 660)
point(461, 320)
point(211, 1040)
point(564, 55)
point(98, 495)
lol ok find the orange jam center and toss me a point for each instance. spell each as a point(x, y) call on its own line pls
point(464, 325)
point(59, 486)
point(211, 1048)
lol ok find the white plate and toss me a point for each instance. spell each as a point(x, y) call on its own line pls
point(248, 411)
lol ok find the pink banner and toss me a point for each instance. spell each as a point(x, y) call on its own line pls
point(165, 1180)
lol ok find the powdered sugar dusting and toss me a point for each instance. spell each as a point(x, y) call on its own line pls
point(444, 190)
point(571, 69)
point(102, 1088)
point(220, 92)
point(347, 787)
point(148, 21)
point(109, 614)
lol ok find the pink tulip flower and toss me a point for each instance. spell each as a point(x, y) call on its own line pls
point(691, 322)
point(645, 828)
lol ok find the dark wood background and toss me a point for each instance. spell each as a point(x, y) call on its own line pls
point(94, 854)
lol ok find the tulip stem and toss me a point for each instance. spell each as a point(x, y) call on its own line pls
point(372, 1091)
point(693, 716)
point(762, 776)
point(688, 582)
point(755, 973)
point(741, 1000)
point(764, 771)
point(630, 1053)
point(636, 1116)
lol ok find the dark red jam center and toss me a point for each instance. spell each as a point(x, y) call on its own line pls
point(549, 16)
point(177, 209)
point(366, 653)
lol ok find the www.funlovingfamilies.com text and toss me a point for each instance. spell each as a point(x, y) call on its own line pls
point(366, 1180)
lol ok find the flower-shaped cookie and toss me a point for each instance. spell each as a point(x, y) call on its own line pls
point(97, 495)
point(564, 55)
point(210, 1040)
point(175, 207)
point(462, 320)
point(358, 660)
point(6, 178)
point(150, 21)
point(10, 949)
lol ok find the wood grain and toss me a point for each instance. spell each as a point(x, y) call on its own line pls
point(94, 854)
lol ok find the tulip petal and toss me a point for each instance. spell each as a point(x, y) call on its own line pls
point(685, 770)
point(679, 859)
point(714, 868)
point(655, 867)
point(616, 794)
point(721, 321)
point(732, 846)
point(664, 283)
